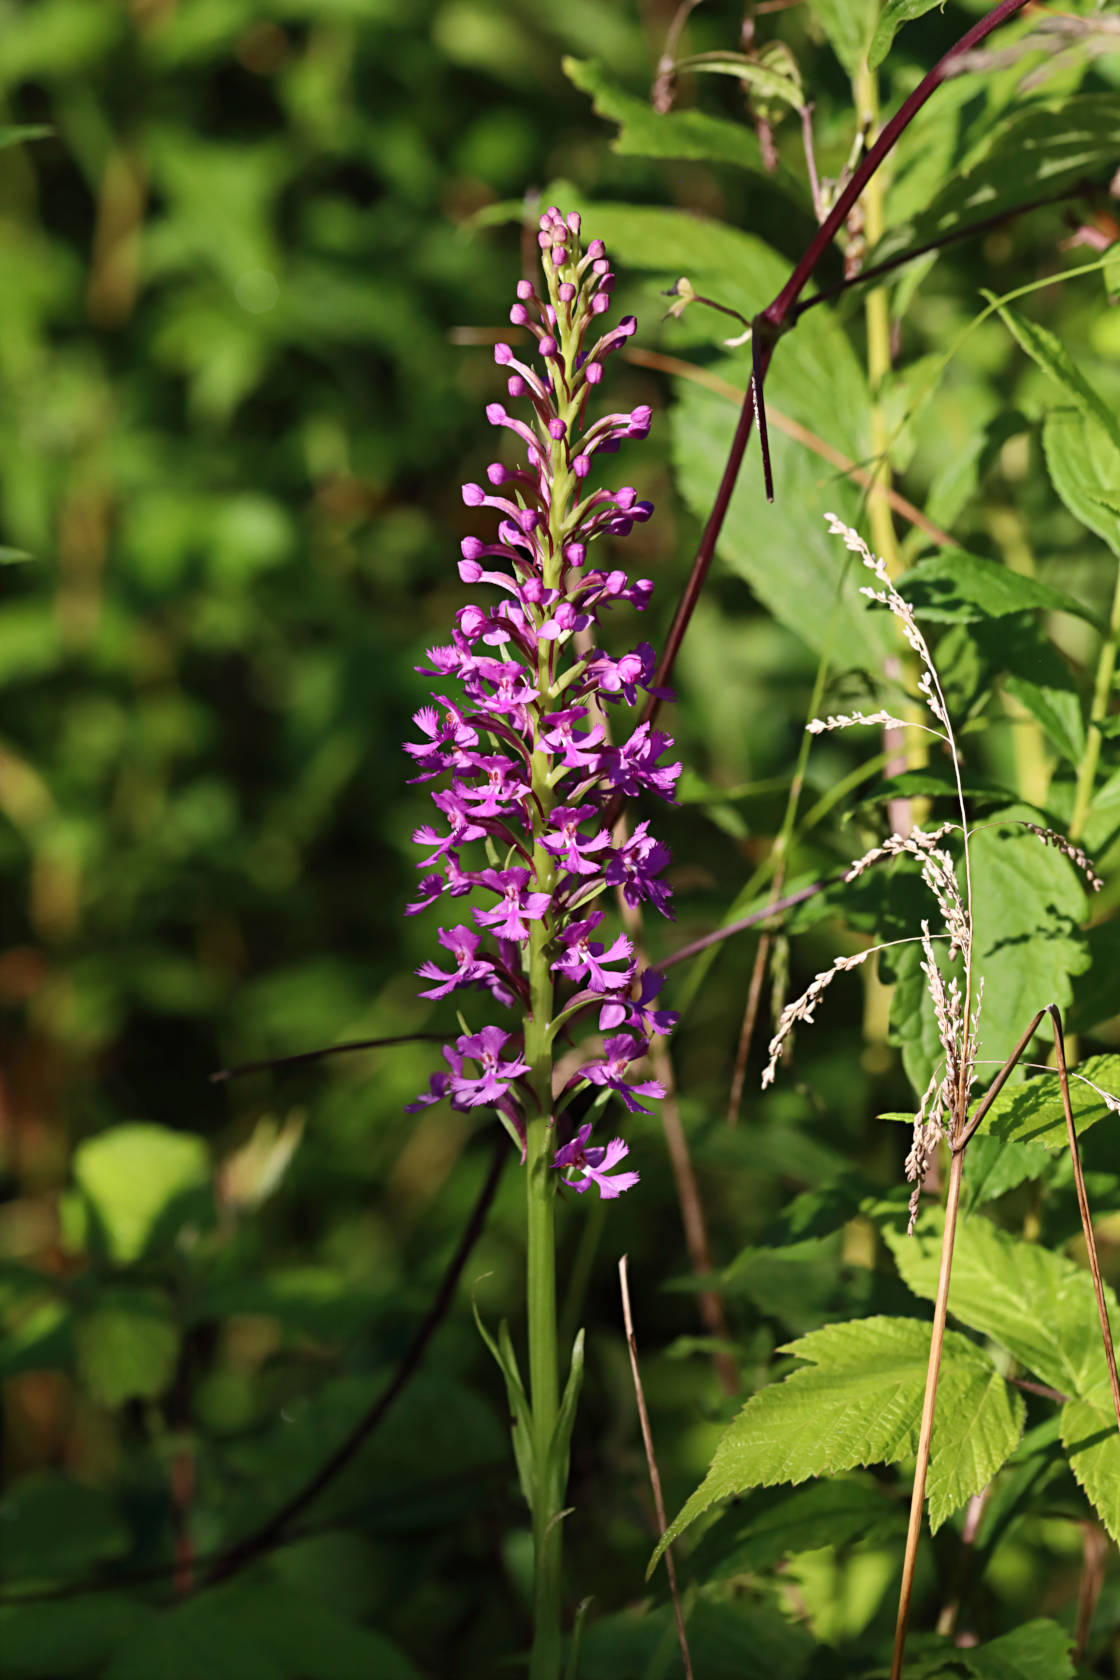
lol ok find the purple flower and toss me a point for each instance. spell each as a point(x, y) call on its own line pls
point(635, 1013)
point(462, 942)
point(633, 867)
point(618, 1053)
point(494, 1080)
point(582, 955)
point(517, 904)
point(568, 846)
point(595, 1164)
point(526, 772)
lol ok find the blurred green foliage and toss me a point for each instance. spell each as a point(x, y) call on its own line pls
point(249, 277)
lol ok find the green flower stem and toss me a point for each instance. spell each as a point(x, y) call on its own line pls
point(549, 1471)
point(1102, 692)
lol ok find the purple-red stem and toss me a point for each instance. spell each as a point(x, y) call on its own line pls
point(779, 315)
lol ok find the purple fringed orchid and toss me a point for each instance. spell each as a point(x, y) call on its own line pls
point(529, 758)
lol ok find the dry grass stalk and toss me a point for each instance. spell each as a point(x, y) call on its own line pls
point(651, 1461)
point(943, 1113)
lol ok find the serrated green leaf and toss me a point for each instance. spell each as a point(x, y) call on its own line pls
point(1089, 1437)
point(848, 25)
point(1037, 1305)
point(1040, 148)
point(127, 1346)
point(739, 1640)
point(810, 375)
point(644, 132)
point(995, 1167)
point(1084, 467)
point(859, 1403)
point(1033, 1113)
point(779, 1524)
point(1051, 355)
point(763, 82)
point(1038, 1650)
point(958, 588)
point(1027, 906)
point(133, 1177)
point(894, 14)
point(1057, 711)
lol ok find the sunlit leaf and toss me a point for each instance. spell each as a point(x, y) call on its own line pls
point(955, 587)
point(1036, 1304)
point(859, 1403)
point(132, 1176)
point(1089, 1435)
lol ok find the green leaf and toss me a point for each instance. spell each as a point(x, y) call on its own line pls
point(1084, 467)
point(779, 1524)
point(740, 1640)
point(1054, 359)
point(1096, 993)
point(1027, 904)
point(1044, 147)
point(205, 1635)
point(1038, 1650)
point(1032, 1113)
point(859, 1403)
point(644, 132)
point(894, 14)
point(764, 82)
point(995, 1167)
point(55, 1527)
point(68, 1640)
point(1057, 710)
point(520, 1415)
point(1037, 1305)
point(127, 1346)
point(14, 556)
point(848, 25)
point(958, 588)
point(135, 1179)
point(1089, 1437)
point(14, 134)
point(560, 1445)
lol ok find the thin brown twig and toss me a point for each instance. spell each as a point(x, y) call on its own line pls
point(773, 908)
point(793, 429)
point(303, 1056)
point(651, 1461)
point(1083, 1207)
point(929, 1406)
point(746, 1031)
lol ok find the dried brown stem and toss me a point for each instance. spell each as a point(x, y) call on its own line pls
point(654, 1475)
point(929, 1406)
point(304, 1056)
point(1083, 1206)
point(746, 1031)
